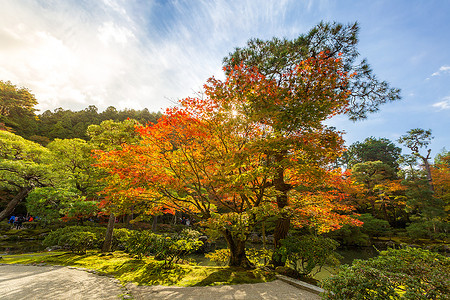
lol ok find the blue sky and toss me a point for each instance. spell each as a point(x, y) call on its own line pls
point(137, 54)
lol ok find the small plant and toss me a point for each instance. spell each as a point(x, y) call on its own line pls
point(219, 256)
point(259, 257)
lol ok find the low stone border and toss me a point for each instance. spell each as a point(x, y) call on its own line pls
point(301, 285)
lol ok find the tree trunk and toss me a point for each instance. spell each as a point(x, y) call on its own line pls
point(23, 193)
point(428, 169)
point(109, 233)
point(283, 222)
point(154, 223)
point(237, 251)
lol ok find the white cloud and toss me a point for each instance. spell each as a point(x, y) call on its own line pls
point(444, 104)
point(110, 32)
point(125, 53)
point(442, 70)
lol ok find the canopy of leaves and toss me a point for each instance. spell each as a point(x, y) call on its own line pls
point(14, 98)
point(373, 149)
point(23, 163)
point(416, 139)
point(211, 156)
point(16, 106)
point(276, 57)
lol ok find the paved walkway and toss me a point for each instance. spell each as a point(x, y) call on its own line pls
point(51, 282)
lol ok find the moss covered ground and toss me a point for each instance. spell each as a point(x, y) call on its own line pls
point(146, 271)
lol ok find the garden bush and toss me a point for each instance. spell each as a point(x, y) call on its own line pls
point(219, 256)
point(170, 248)
point(120, 238)
point(258, 257)
point(373, 226)
point(350, 236)
point(426, 230)
point(408, 273)
point(77, 239)
point(308, 253)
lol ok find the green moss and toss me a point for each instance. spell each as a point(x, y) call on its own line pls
point(146, 271)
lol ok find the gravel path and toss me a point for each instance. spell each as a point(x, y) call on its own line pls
point(51, 282)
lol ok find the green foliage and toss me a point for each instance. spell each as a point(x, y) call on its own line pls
point(415, 139)
point(258, 257)
point(79, 242)
point(360, 236)
point(163, 247)
point(306, 253)
point(23, 163)
point(372, 172)
point(110, 135)
point(278, 56)
point(79, 208)
point(350, 236)
point(428, 230)
point(74, 156)
point(372, 149)
point(120, 238)
point(49, 204)
point(16, 107)
point(61, 123)
point(219, 256)
point(395, 274)
point(78, 239)
point(190, 234)
point(45, 202)
point(373, 226)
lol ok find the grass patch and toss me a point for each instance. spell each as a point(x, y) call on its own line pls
point(146, 271)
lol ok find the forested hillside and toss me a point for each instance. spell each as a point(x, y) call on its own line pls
point(18, 114)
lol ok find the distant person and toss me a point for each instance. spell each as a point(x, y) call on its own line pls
point(30, 219)
point(11, 220)
point(16, 222)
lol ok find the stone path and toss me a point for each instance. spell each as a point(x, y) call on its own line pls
point(51, 282)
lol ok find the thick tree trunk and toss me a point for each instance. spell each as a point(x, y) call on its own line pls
point(237, 251)
point(23, 193)
point(109, 233)
point(284, 221)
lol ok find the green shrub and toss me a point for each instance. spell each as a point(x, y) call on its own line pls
point(395, 274)
point(373, 226)
point(350, 236)
point(428, 230)
point(79, 242)
point(5, 226)
point(139, 243)
point(305, 253)
point(66, 237)
point(259, 257)
point(190, 234)
point(219, 256)
point(120, 238)
point(163, 247)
